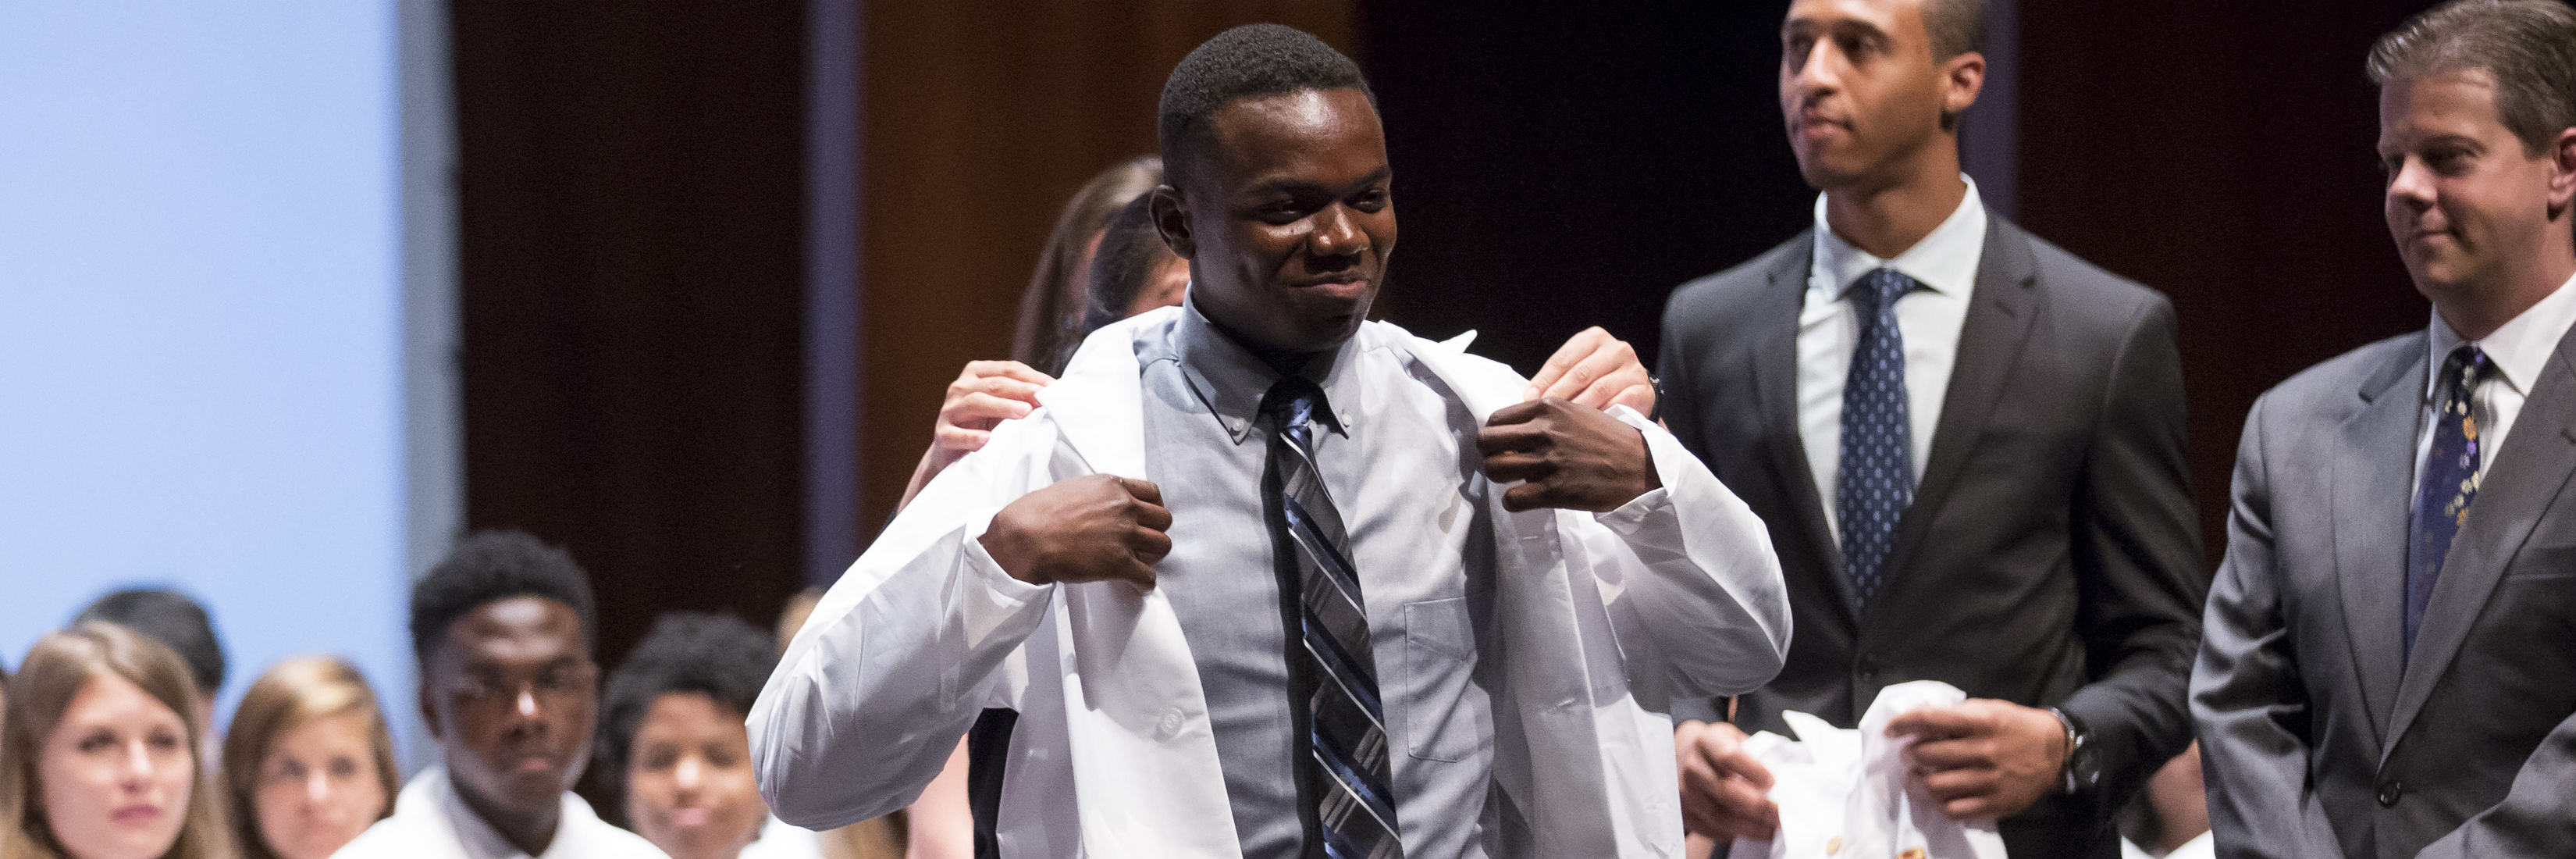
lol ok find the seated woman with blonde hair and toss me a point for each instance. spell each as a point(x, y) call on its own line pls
point(308, 763)
point(98, 753)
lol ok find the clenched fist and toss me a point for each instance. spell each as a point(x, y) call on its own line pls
point(1983, 759)
point(1088, 529)
point(1724, 790)
point(1565, 455)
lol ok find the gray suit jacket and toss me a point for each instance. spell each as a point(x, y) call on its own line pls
point(2051, 556)
point(2318, 737)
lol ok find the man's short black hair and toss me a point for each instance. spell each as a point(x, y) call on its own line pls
point(718, 655)
point(490, 566)
point(169, 617)
point(1250, 61)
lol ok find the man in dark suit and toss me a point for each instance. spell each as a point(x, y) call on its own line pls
point(2390, 668)
point(1968, 445)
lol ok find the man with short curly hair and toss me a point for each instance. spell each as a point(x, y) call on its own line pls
point(503, 630)
point(1374, 601)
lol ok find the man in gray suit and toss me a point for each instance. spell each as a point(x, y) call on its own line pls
point(1968, 445)
point(2390, 668)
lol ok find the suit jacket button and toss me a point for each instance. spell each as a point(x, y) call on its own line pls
point(2390, 792)
point(1866, 670)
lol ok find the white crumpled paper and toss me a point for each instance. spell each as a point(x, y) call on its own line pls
point(1843, 794)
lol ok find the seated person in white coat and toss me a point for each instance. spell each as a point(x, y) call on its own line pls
point(502, 630)
point(671, 739)
point(1257, 576)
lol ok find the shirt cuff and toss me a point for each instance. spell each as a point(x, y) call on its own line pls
point(1661, 452)
point(1631, 516)
point(992, 598)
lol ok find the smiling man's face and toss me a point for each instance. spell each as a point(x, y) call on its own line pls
point(513, 694)
point(1286, 218)
point(2465, 203)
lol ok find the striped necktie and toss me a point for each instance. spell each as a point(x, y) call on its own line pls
point(1344, 752)
point(1875, 482)
point(2449, 483)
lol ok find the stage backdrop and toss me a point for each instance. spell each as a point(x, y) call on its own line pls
point(199, 323)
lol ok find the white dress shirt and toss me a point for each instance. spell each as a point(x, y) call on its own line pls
point(2519, 350)
point(1945, 263)
point(431, 822)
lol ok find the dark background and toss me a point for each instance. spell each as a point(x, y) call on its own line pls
point(633, 189)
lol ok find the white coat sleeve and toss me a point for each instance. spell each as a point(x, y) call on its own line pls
point(1695, 568)
point(902, 653)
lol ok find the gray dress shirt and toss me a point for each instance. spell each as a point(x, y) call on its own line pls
point(1396, 470)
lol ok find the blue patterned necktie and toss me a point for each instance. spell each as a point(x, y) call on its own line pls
point(1875, 481)
point(1344, 754)
point(2449, 483)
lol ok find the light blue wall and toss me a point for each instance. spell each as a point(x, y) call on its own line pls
point(200, 329)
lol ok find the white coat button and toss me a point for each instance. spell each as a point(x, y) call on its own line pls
point(1169, 727)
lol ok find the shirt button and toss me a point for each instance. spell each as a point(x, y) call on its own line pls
point(1866, 669)
point(2390, 792)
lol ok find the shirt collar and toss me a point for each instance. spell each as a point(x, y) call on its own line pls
point(1945, 261)
point(1231, 380)
point(2519, 349)
point(482, 841)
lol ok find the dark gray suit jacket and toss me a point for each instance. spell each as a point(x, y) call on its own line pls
point(2051, 556)
point(2318, 737)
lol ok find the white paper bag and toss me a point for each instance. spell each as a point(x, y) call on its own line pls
point(1843, 794)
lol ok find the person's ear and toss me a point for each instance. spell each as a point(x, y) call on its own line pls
point(1962, 78)
point(429, 710)
point(2562, 173)
point(1172, 221)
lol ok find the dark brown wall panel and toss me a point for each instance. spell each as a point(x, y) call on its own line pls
point(630, 194)
point(1564, 165)
point(2220, 152)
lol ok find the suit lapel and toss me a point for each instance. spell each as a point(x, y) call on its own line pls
point(2371, 484)
point(2518, 490)
point(1775, 372)
point(1990, 340)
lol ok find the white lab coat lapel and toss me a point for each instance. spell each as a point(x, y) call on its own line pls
point(1143, 754)
point(1565, 710)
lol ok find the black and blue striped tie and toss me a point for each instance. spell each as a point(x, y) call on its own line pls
point(1345, 751)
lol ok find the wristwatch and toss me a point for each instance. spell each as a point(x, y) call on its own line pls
point(2083, 767)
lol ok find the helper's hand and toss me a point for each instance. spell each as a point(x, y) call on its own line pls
point(1093, 528)
point(985, 395)
point(1597, 370)
point(1569, 456)
point(1983, 759)
point(1723, 789)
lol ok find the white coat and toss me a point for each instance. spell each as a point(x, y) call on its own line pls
point(1113, 755)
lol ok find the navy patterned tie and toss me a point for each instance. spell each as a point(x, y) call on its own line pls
point(2450, 482)
point(1345, 752)
point(1875, 481)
